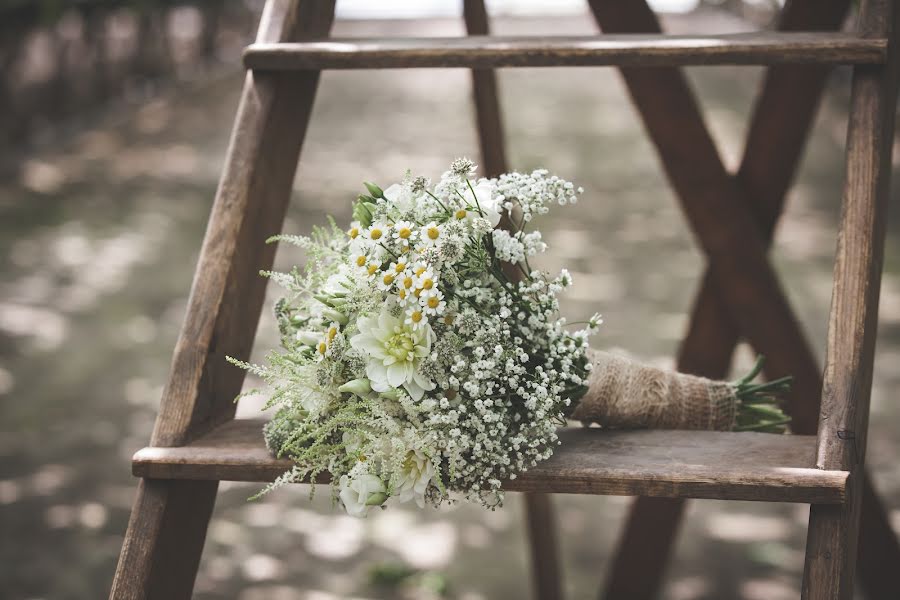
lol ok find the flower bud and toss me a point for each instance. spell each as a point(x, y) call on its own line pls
point(336, 316)
point(356, 386)
point(391, 394)
point(362, 211)
point(325, 299)
point(310, 338)
point(376, 191)
point(376, 499)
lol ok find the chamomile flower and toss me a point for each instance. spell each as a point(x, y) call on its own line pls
point(416, 319)
point(425, 279)
point(384, 280)
point(404, 232)
point(377, 232)
point(406, 281)
point(372, 270)
point(430, 234)
point(432, 302)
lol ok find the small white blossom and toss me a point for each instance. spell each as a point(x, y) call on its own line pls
point(361, 493)
point(394, 352)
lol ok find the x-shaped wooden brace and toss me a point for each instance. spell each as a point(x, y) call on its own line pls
point(733, 217)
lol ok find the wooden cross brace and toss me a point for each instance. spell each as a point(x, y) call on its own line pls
point(734, 219)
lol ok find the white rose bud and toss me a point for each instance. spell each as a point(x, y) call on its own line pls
point(310, 338)
point(362, 493)
point(360, 387)
point(336, 316)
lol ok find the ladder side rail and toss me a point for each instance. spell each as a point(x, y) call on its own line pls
point(227, 295)
point(167, 528)
point(831, 549)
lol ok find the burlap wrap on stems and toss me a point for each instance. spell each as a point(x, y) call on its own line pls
point(625, 394)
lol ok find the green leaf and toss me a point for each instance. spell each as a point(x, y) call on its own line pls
point(362, 211)
point(376, 191)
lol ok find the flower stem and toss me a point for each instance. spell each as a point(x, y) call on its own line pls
point(758, 403)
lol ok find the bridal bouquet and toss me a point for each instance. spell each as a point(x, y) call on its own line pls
point(423, 356)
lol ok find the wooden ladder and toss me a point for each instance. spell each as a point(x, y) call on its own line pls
point(197, 442)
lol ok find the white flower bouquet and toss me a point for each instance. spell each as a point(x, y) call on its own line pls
point(424, 359)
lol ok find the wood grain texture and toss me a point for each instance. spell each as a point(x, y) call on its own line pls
point(831, 547)
point(712, 202)
point(540, 517)
point(227, 293)
point(488, 116)
point(168, 522)
point(781, 118)
point(732, 466)
point(632, 50)
point(166, 531)
point(546, 567)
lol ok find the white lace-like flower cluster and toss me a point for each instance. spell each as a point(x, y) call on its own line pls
point(422, 356)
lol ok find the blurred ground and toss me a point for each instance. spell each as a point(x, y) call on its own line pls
point(98, 241)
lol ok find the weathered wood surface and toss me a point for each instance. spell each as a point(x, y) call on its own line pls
point(166, 534)
point(168, 522)
point(781, 119)
point(488, 116)
point(831, 546)
point(540, 517)
point(696, 464)
point(227, 294)
point(632, 50)
point(780, 123)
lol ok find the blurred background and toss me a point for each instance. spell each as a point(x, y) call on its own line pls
point(114, 121)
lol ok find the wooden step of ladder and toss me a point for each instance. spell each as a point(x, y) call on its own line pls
point(623, 50)
point(668, 464)
point(197, 442)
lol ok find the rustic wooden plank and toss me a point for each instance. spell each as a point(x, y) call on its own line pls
point(779, 126)
point(162, 548)
point(168, 523)
point(484, 91)
point(711, 200)
point(546, 570)
point(227, 294)
point(725, 465)
point(632, 50)
point(844, 420)
point(540, 517)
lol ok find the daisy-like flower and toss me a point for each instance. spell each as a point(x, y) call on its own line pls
point(372, 270)
point(377, 232)
point(430, 234)
point(416, 319)
point(425, 279)
point(385, 280)
point(432, 302)
point(404, 232)
point(394, 350)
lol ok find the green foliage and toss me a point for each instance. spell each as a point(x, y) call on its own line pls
point(759, 408)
